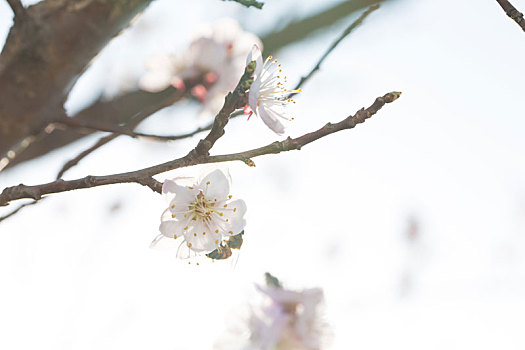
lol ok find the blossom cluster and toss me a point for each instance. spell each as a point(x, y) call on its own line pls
point(203, 214)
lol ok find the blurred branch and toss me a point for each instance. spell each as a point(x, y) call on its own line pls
point(119, 131)
point(132, 106)
point(126, 130)
point(513, 13)
point(7, 216)
point(347, 31)
point(18, 8)
point(42, 58)
point(303, 29)
point(249, 3)
point(145, 176)
point(122, 108)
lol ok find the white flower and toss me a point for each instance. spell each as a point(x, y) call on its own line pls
point(216, 54)
point(302, 329)
point(284, 320)
point(202, 214)
point(268, 95)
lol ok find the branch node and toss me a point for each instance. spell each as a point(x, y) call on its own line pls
point(249, 162)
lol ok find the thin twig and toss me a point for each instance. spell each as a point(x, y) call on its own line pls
point(2, 218)
point(72, 162)
point(343, 35)
point(118, 130)
point(106, 139)
point(249, 3)
point(18, 8)
point(145, 176)
point(512, 12)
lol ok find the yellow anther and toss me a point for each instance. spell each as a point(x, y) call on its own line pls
point(189, 245)
point(230, 232)
point(191, 188)
point(175, 236)
point(220, 214)
point(230, 196)
point(195, 234)
point(185, 228)
point(204, 233)
point(270, 57)
point(216, 241)
point(225, 205)
point(185, 215)
point(227, 220)
point(173, 216)
point(216, 231)
point(173, 206)
point(234, 210)
point(207, 183)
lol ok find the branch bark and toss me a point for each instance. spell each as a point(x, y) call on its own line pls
point(145, 176)
point(513, 13)
point(45, 54)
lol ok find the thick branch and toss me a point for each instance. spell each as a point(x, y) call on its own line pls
point(18, 8)
point(119, 109)
point(43, 57)
point(513, 13)
point(145, 176)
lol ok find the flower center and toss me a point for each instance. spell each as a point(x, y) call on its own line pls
point(201, 208)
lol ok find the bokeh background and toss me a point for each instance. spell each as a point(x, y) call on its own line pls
point(413, 223)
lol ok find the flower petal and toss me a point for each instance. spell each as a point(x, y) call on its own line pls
point(172, 228)
point(253, 95)
point(201, 237)
point(234, 217)
point(215, 185)
point(255, 55)
point(270, 120)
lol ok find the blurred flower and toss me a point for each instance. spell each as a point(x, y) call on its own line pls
point(216, 54)
point(287, 320)
point(202, 213)
point(268, 96)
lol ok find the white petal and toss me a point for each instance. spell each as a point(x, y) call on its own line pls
point(184, 195)
point(202, 237)
point(215, 185)
point(172, 228)
point(253, 95)
point(226, 30)
point(255, 55)
point(235, 218)
point(270, 120)
point(155, 81)
point(244, 44)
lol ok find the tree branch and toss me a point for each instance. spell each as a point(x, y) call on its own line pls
point(42, 58)
point(347, 31)
point(249, 3)
point(145, 176)
point(18, 9)
point(121, 108)
point(513, 13)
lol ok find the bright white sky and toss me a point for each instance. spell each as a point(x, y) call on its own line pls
point(76, 271)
